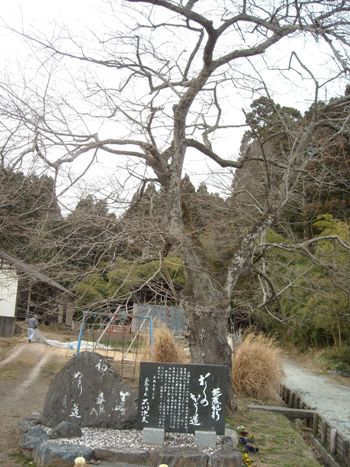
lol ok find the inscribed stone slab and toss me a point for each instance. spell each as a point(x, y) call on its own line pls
point(90, 393)
point(182, 398)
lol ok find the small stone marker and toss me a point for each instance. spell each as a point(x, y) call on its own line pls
point(182, 398)
point(231, 437)
point(205, 439)
point(154, 436)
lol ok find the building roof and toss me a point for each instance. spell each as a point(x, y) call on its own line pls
point(32, 272)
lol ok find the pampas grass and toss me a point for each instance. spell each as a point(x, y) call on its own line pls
point(257, 369)
point(165, 348)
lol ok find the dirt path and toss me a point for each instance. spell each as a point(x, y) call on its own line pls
point(12, 356)
point(25, 373)
point(331, 399)
point(24, 378)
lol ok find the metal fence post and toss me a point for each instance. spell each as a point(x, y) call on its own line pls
point(81, 332)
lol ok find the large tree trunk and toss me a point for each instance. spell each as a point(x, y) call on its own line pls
point(206, 308)
point(207, 335)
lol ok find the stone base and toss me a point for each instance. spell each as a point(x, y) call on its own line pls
point(205, 439)
point(231, 438)
point(121, 464)
point(50, 454)
point(153, 436)
point(225, 458)
point(32, 438)
point(46, 453)
point(125, 456)
point(179, 457)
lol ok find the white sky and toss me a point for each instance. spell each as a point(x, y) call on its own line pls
point(86, 16)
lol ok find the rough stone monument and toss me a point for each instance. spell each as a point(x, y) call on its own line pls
point(89, 392)
point(182, 398)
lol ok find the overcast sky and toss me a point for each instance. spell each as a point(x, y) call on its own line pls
point(85, 16)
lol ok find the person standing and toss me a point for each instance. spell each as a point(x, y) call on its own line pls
point(32, 325)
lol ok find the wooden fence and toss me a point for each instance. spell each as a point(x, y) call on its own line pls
point(332, 445)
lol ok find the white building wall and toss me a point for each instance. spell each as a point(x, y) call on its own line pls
point(8, 292)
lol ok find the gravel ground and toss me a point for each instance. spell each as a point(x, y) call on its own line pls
point(331, 399)
point(108, 438)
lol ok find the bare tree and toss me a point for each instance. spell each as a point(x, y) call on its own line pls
point(166, 80)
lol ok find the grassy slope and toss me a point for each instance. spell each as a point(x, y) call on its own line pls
point(279, 442)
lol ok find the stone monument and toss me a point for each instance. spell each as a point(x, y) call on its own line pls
point(182, 398)
point(89, 392)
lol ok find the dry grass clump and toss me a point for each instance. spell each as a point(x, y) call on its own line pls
point(165, 348)
point(257, 368)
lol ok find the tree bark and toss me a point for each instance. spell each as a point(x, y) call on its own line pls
point(207, 335)
point(206, 307)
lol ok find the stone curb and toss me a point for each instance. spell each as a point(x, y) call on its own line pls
point(48, 453)
point(127, 455)
point(51, 454)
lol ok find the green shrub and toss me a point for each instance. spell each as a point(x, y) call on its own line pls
point(313, 311)
point(336, 358)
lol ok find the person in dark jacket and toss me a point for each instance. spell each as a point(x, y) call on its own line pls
point(32, 325)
